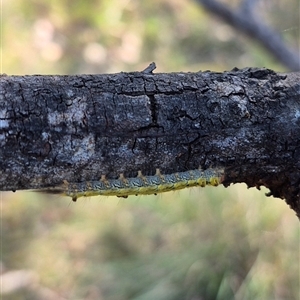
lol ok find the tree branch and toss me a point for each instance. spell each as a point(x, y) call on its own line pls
point(246, 21)
point(77, 128)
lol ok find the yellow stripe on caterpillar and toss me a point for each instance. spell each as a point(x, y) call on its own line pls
point(143, 185)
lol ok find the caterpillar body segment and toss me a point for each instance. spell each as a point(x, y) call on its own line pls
point(144, 185)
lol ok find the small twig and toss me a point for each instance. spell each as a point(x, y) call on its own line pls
point(150, 68)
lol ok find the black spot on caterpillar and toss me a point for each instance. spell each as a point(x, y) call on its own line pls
point(141, 185)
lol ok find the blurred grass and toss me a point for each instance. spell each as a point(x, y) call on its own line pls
point(214, 243)
point(211, 243)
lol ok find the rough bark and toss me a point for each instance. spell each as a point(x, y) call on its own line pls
point(76, 128)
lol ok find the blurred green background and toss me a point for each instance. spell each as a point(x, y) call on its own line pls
point(211, 243)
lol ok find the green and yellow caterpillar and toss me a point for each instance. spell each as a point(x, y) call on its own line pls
point(142, 185)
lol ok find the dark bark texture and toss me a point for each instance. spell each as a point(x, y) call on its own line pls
point(76, 128)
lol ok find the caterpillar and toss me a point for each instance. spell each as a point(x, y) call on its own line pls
point(142, 185)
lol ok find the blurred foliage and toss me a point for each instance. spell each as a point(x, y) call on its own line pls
point(75, 36)
point(211, 243)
